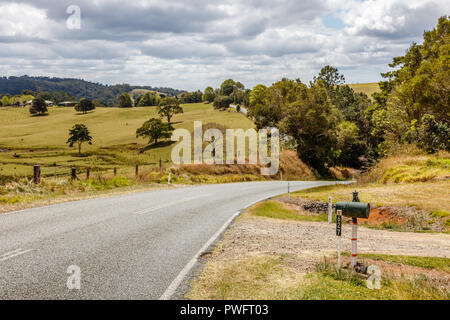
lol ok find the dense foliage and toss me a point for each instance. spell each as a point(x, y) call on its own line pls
point(414, 103)
point(154, 129)
point(72, 89)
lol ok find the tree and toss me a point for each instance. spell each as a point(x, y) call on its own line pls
point(84, 106)
point(258, 94)
point(330, 77)
point(5, 101)
point(222, 102)
point(149, 99)
point(227, 87)
point(209, 95)
point(433, 135)
point(125, 101)
point(309, 121)
point(38, 106)
point(78, 135)
point(154, 129)
point(168, 107)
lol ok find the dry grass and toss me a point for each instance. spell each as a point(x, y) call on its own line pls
point(429, 196)
point(410, 168)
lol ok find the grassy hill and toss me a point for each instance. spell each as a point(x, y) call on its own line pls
point(42, 140)
point(367, 88)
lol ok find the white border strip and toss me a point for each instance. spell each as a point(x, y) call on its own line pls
point(172, 288)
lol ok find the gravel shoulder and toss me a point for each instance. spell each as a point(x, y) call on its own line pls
point(312, 240)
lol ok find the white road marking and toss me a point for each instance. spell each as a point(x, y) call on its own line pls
point(148, 210)
point(13, 254)
point(172, 288)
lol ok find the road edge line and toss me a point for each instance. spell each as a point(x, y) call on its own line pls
point(172, 288)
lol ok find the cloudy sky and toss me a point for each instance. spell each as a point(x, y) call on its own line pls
point(195, 43)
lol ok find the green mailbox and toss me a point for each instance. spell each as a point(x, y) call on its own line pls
point(354, 209)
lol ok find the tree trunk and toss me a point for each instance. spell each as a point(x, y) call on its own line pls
point(79, 149)
point(156, 141)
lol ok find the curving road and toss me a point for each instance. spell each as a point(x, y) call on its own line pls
point(135, 246)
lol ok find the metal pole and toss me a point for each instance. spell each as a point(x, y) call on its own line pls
point(330, 210)
point(339, 234)
point(354, 239)
point(170, 176)
point(354, 242)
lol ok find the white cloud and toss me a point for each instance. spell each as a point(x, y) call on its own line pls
point(193, 44)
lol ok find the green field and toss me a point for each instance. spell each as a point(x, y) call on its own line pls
point(367, 88)
point(42, 140)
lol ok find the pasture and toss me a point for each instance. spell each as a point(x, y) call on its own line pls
point(26, 140)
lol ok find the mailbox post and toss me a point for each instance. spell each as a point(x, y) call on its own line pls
point(354, 210)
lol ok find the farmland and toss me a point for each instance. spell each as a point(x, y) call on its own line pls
point(27, 140)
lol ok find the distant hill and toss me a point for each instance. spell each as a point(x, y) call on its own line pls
point(76, 87)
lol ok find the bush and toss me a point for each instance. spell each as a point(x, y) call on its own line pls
point(433, 135)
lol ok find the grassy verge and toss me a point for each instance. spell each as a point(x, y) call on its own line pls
point(421, 262)
point(277, 210)
point(269, 278)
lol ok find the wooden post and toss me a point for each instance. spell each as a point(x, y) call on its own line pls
point(137, 170)
point(37, 174)
point(74, 173)
point(88, 172)
point(115, 172)
point(160, 164)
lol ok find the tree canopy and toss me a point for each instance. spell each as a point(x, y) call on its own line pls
point(154, 129)
point(79, 134)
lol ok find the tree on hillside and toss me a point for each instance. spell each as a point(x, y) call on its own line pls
point(168, 107)
point(258, 94)
point(38, 106)
point(222, 102)
point(84, 106)
point(78, 135)
point(419, 86)
point(154, 129)
point(209, 95)
point(125, 101)
point(330, 77)
point(5, 101)
point(309, 121)
point(227, 87)
point(149, 99)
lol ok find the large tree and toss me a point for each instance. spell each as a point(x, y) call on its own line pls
point(168, 107)
point(209, 95)
point(38, 106)
point(79, 134)
point(125, 101)
point(84, 106)
point(154, 129)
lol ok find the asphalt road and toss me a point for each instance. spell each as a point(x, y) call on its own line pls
point(127, 247)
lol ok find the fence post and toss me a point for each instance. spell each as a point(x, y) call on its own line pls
point(88, 172)
point(74, 173)
point(170, 176)
point(37, 174)
point(137, 170)
point(115, 172)
point(160, 164)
